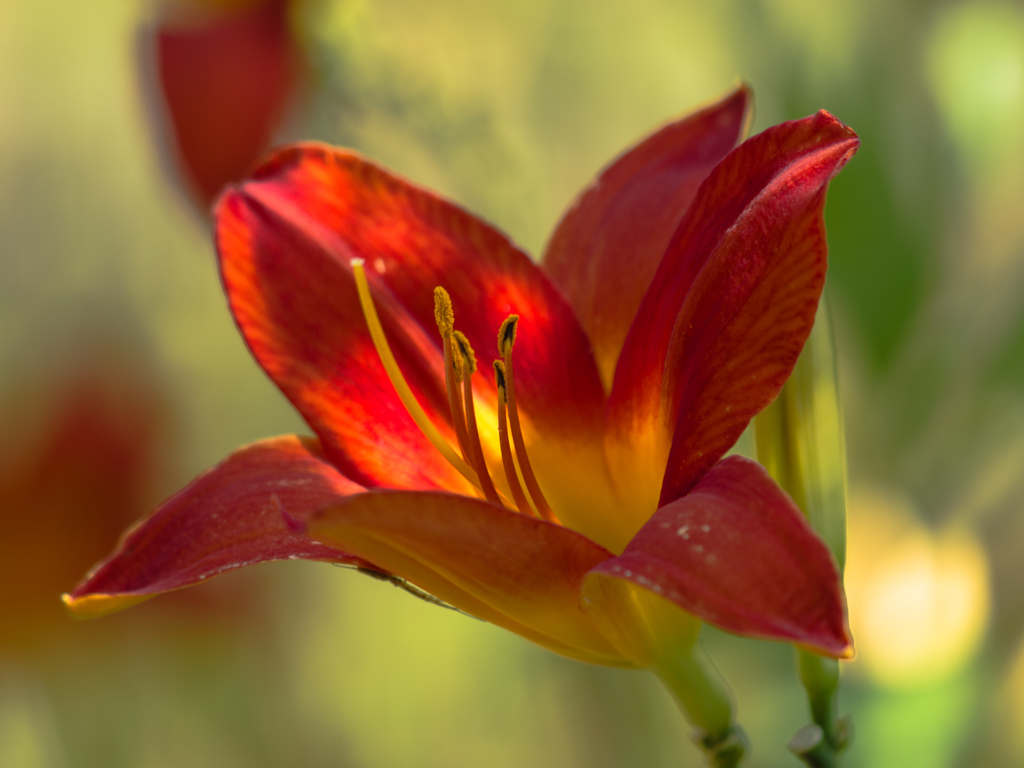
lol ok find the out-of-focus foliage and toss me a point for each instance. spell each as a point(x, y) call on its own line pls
point(509, 107)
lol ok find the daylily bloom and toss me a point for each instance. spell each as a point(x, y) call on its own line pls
point(579, 497)
point(221, 75)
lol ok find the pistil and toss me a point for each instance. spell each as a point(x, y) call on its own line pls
point(398, 381)
point(506, 340)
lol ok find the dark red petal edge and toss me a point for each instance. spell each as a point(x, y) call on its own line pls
point(734, 298)
point(605, 250)
point(231, 516)
point(737, 553)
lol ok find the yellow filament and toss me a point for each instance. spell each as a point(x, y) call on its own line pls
point(506, 450)
point(476, 458)
point(398, 381)
point(452, 379)
point(506, 340)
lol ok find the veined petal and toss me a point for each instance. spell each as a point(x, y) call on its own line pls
point(516, 571)
point(229, 517)
point(609, 243)
point(294, 298)
point(413, 240)
point(730, 306)
point(226, 82)
point(738, 553)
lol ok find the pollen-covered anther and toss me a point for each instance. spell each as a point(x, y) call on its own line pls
point(506, 341)
point(462, 344)
point(507, 335)
point(444, 315)
point(459, 367)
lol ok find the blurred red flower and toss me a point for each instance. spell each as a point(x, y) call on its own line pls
point(82, 467)
point(222, 76)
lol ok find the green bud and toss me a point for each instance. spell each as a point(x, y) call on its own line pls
point(800, 438)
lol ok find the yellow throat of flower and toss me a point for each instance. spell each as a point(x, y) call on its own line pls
point(460, 365)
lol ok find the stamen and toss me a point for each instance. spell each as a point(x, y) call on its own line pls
point(398, 381)
point(476, 457)
point(507, 335)
point(506, 450)
point(443, 312)
point(459, 366)
point(506, 340)
point(467, 351)
point(445, 318)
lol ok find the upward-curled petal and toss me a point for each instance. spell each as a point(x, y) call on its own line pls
point(607, 246)
point(732, 303)
point(230, 516)
point(516, 571)
point(737, 552)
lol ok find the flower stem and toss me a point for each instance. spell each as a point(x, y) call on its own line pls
point(821, 744)
point(706, 702)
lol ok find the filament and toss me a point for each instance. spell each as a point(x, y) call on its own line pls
point(506, 449)
point(506, 340)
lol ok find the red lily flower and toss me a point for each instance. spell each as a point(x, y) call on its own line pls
point(223, 76)
point(580, 498)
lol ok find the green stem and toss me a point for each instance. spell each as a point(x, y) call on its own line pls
point(706, 702)
point(820, 745)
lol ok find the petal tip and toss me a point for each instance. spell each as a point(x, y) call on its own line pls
point(825, 116)
point(94, 606)
point(836, 647)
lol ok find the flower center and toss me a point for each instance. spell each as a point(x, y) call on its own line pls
point(459, 366)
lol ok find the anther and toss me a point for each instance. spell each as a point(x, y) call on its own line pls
point(506, 450)
point(462, 343)
point(507, 335)
point(444, 315)
point(443, 312)
point(398, 381)
point(506, 340)
point(459, 366)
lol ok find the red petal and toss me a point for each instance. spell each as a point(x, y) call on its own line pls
point(229, 517)
point(605, 251)
point(286, 238)
point(737, 553)
point(413, 240)
point(294, 299)
point(733, 300)
point(226, 83)
point(518, 572)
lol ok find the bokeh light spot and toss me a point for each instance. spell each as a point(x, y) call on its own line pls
point(919, 600)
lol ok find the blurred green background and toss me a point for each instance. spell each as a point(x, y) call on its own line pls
point(509, 107)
